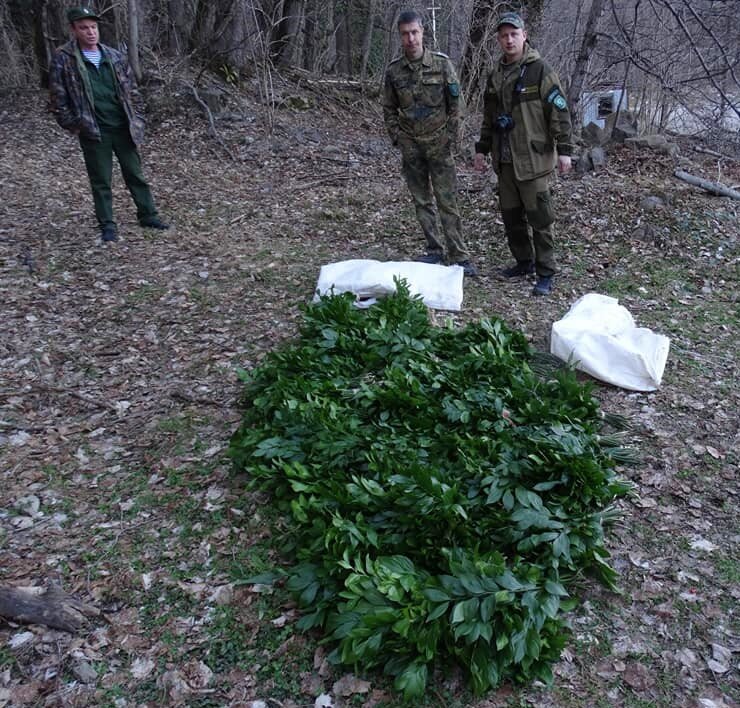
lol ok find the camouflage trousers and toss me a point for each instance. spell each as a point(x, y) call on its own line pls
point(524, 204)
point(429, 166)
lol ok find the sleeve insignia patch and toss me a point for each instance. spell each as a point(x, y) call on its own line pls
point(557, 99)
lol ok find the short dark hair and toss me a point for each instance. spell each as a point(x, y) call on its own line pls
point(409, 16)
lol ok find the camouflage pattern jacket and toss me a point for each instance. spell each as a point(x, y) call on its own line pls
point(71, 98)
point(534, 98)
point(422, 99)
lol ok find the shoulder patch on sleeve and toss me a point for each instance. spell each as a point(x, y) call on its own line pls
point(454, 89)
point(556, 98)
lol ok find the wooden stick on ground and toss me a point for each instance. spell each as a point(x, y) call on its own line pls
point(50, 606)
point(711, 187)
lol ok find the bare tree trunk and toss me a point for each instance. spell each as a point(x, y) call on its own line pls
point(133, 38)
point(367, 38)
point(287, 30)
point(344, 41)
point(580, 70)
point(392, 41)
point(310, 39)
point(471, 70)
point(44, 47)
point(177, 25)
point(329, 62)
point(457, 30)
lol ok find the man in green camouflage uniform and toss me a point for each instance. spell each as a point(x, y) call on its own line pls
point(421, 107)
point(93, 95)
point(526, 130)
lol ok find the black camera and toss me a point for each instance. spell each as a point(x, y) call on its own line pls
point(504, 122)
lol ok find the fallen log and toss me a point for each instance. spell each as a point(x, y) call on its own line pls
point(711, 187)
point(50, 606)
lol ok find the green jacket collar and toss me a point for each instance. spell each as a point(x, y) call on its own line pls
point(530, 55)
point(426, 59)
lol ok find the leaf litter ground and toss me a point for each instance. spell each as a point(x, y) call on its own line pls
point(119, 394)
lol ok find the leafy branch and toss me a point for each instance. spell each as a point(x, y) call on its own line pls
point(445, 488)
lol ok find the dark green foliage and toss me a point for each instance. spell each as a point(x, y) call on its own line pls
point(443, 495)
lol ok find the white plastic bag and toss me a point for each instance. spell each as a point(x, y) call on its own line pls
point(439, 286)
point(600, 336)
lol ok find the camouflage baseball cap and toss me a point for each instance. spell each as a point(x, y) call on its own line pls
point(510, 18)
point(81, 13)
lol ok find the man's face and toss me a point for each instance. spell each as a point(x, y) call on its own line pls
point(511, 39)
point(412, 39)
point(86, 33)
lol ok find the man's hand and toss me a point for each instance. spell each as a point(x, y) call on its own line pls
point(479, 162)
point(564, 164)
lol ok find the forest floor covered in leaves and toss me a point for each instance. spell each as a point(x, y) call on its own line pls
point(119, 392)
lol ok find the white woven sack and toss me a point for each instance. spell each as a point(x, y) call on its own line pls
point(600, 336)
point(440, 287)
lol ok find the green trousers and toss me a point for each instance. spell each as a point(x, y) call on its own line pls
point(99, 163)
point(524, 204)
point(431, 162)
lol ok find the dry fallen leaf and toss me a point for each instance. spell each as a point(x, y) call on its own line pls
point(349, 685)
point(701, 544)
point(21, 639)
point(638, 676)
point(717, 667)
point(686, 657)
point(141, 668)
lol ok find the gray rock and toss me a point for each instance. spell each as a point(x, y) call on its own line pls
point(594, 135)
point(670, 149)
point(308, 135)
point(645, 232)
point(297, 103)
point(598, 158)
point(582, 164)
point(374, 147)
point(621, 126)
point(84, 672)
point(652, 203)
point(655, 141)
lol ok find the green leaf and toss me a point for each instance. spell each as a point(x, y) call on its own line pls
point(561, 547)
point(458, 613)
point(267, 578)
point(555, 588)
point(487, 607)
point(435, 595)
point(412, 680)
point(519, 645)
point(438, 611)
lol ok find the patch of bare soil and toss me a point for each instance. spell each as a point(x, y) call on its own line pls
point(119, 391)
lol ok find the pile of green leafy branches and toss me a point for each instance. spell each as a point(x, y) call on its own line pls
point(444, 491)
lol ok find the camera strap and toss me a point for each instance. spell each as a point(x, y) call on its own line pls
point(518, 86)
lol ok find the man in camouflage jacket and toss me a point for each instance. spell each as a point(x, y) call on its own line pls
point(527, 131)
point(93, 95)
point(421, 108)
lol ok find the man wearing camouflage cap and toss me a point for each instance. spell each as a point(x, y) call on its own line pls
point(421, 108)
point(527, 131)
point(94, 96)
